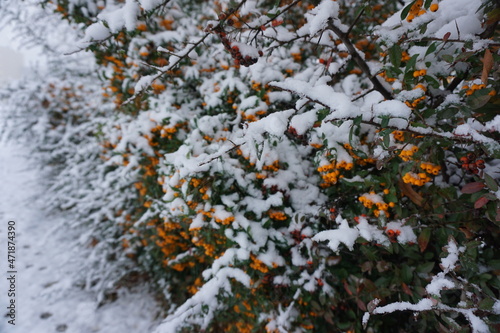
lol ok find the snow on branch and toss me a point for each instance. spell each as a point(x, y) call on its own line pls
point(201, 308)
point(439, 282)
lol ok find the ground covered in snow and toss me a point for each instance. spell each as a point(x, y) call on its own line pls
point(47, 299)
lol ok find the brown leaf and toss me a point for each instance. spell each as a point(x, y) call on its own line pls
point(406, 289)
point(361, 304)
point(487, 66)
point(328, 318)
point(446, 36)
point(372, 305)
point(481, 202)
point(423, 239)
point(472, 187)
point(347, 289)
point(407, 190)
point(468, 234)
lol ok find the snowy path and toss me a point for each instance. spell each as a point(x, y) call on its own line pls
point(46, 300)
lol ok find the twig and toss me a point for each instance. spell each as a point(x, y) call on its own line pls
point(429, 39)
point(355, 21)
point(219, 155)
point(377, 85)
point(373, 123)
point(186, 53)
point(363, 94)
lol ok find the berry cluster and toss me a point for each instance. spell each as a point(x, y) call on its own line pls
point(417, 10)
point(234, 50)
point(471, 164)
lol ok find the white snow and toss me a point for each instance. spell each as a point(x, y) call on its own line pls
point(47, 296)
point(392, 108)
point(343, 235)
point(422, 305)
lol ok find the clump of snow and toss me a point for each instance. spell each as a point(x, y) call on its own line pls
point(422, 305)
point(303, 122)
point(449, 262)
point(343, 235)
point(392, 108)
point(438, 283)
point(319, 16)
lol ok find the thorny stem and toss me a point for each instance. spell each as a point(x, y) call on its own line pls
point(360, 61)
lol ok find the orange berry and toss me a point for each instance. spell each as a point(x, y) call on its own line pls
point(434, 7)
point(277, 22)
point(480, 164)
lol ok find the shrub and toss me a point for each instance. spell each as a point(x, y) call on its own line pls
point(306, 166)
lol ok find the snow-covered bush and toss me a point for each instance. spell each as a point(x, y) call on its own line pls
point(59, 114)
point(304, 166)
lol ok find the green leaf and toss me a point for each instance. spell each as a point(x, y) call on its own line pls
point(387, 140)
point(494, 264)
point(431, 49)
point(423, 28)
point(486, 304)
point(492, 213)
point(384, 121)
point(406, 273)
point(322, 114)
point(410, 66)
point(475, 101)
point(357, 121)
point(391, 197)
point(395, 53)
point(432, 81)
point(360, 153)
point(448, 58)
point(406, 10)
point(490, 182)
point(425, 268)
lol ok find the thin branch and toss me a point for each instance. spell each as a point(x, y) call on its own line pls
point(355, 21)
point(363, 94)
point(373, 123)
point(360, 61)
point(287, 8)
point(429, 39)
point(223, 153)
point(186, 52)
point(170, 67)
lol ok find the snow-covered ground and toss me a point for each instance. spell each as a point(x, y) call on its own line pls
point(46, 297)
